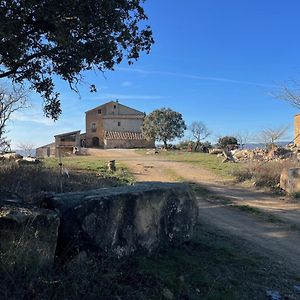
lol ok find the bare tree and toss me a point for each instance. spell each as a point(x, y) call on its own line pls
point(271, 136)
point(243, 137)
point(199, 132)
point(27, 147)
point(289, 92)
point(11, 100)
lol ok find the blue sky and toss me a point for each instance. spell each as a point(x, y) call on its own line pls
point(214, 61)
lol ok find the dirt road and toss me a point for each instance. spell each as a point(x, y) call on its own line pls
point(278, 236)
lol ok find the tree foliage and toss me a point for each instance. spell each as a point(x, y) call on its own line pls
point(43, 38)
point(227, 142)
point(199, 132)
point(11, 100)
point(164, 125)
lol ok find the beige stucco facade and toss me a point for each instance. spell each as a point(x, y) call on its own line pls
point(114, 117)
point(111, 125)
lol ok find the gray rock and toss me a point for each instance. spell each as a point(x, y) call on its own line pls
point(273, 295)
point(297, 288)
point(290, 180)
point(28, 236)
point(123, 220)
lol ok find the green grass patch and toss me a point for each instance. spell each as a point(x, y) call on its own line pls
point(205, 160)
point(29, 180)
point(91, 165)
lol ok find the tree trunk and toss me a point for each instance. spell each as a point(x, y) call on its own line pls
point(165, 144)
point(197, 145)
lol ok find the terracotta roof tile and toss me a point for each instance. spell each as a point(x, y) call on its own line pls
point(122, 135)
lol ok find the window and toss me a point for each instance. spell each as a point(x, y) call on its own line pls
point(119, 123)
point(94, 127)
point(115, 106)
point(68, 138)
point(99, 111)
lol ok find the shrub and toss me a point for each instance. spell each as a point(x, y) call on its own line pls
point(229, 142)
point(264, 174)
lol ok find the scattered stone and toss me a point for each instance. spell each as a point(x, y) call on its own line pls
point(259, 154)
point(215, 151)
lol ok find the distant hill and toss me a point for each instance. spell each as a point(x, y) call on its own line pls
point(261, 145)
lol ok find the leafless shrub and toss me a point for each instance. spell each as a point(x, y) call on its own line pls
point(11, 100)
point(264, 174)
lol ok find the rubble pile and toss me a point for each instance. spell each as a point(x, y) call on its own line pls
point(262, 154)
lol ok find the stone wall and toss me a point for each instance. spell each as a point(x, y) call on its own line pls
point(115, 221)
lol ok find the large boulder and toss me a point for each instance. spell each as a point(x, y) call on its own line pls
point(28, 236)
point(120, 221)
point(290, 180)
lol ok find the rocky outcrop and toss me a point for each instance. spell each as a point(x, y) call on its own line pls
point(290, 180)
point(28, 236)
point(115, 221)
point(122, 220)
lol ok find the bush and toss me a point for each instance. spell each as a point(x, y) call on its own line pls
point(264, 174)
point(204, 147)
point(229, 142)
point(184, 145)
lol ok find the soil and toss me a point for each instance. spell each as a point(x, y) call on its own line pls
point(278, 237)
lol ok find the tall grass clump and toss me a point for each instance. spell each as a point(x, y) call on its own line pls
point(264, 174)
point(28, 180)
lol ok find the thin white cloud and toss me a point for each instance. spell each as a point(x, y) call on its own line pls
point(126, 84)
point(32, 117)
point(191, 76)
point(112, 96)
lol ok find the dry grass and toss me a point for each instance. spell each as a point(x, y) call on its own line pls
point(264, 174)
point(212, 266)
point(29, 180)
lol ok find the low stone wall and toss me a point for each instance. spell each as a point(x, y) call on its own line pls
point(125, 219)
point(115, 221)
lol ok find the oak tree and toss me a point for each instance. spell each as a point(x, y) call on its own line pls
point(164, 125)
point(41, 39)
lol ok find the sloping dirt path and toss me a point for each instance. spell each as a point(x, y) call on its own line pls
point(279, 239)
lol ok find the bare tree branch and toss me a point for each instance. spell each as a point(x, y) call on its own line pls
point(199, 132)
point(271, 136)
point(243, 138)
point(11, 100)
point(289, 92)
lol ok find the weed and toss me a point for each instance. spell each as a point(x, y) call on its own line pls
point(29, 180)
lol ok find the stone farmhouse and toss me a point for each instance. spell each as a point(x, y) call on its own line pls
point(111, 125)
